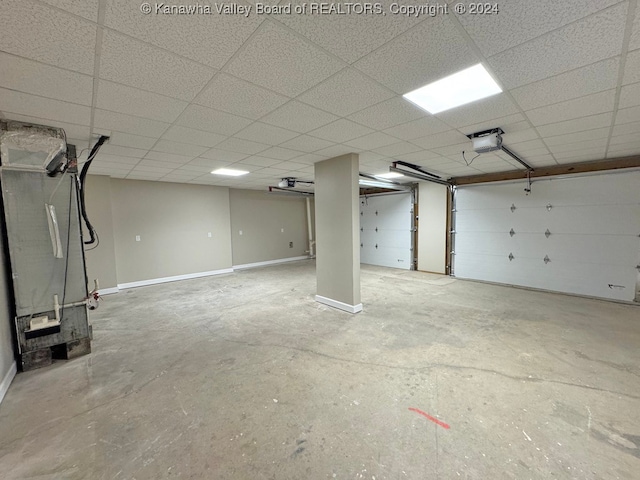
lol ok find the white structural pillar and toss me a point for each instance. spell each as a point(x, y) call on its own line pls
point(338, 233)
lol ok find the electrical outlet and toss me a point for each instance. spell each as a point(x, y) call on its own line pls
point(290, 244)
point(137, 238)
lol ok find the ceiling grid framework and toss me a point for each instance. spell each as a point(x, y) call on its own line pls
point(182, 95)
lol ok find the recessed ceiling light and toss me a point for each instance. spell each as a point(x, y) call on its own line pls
point(390, 175)
point(458, 89)
point(230, 172)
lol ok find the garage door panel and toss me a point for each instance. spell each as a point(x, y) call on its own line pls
point(593, 245)
point(385, 222)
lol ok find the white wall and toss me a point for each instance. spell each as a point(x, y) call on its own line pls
point(593, 246)
point(432, 227)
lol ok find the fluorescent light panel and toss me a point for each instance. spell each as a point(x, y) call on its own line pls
point(464, 87)
point(390, 175)
point(229, 171)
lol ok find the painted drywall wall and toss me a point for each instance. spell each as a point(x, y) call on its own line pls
point(268, 223)
point(574, 235)
point(338, 230)
point(173, 222)
point(432, 227)
point(7, 358)
point(100, 259)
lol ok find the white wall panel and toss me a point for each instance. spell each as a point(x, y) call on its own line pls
point(385, 230)
point(594, 241)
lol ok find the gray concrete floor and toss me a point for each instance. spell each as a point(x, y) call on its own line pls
point(244, 376)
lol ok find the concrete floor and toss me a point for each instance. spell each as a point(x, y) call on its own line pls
point(244, 376)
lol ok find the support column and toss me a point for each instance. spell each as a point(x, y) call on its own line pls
point(338, 233)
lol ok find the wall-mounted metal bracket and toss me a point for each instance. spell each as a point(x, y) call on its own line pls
point(547, 233)
point(511, 232)
point(549, 207)
point(513, 208)
point(511, 257)
point(546, 259)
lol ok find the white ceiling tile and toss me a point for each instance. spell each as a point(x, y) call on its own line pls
point(490, 108)
point(371, 141)
point(566, 86)
point(144, 175)
point(116, 150)
point(132, 101)
point(264, 133)
point(39, 79)
point(585, 155)
point(418, 128)
point(346, 92)
point(12, 102)
point(352, 35)
point(632, 67)
point(80, 132)
point(397, 149)
point(153, 167)
point(168, 157)
point(306, 143)
point(388, 114)
point(630, 96)
point(576, 108)
point(233, 95)
point(204, 165)
point(518, 21)
point(597, 133)
point(128, 124)
point(510, 124)
point(279, 60)
point(367, 157)
point(248, 167)
point(455, 150)
point(280, 153)
point(48, 35)
point(428, 52)
point(178, 148)
point(634, 40)
point(623, 139)
point(139, 65)
point(85, 8)
point(510, 138)
point(598, 143)
point(133, 141)
point(242, 146)
point(576, 125)
point(259, 161)
point(203, 118)
point(217, 154)
point(207, 38)
point(178, 133)
point(581, 43)
point(290, 166)
point(528, 146)
point(424, 157)
point(626, 129)
point(443, 139)
point(341, 131)
point(541, 161)
point(623, 150)
point(334, 151)
point(628, 115)
point(298, 117)
point(309, 158)
point(104, 159)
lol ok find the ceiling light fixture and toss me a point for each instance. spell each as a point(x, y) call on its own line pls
point(390, 175)
point(466, 86)
point(230, 172)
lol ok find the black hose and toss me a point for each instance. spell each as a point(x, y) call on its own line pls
point(83, 175)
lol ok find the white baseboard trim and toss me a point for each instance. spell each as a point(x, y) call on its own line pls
point(339, 305)
point(154, 281)
point(6, 381)
point(269, 262)
point(108, 291)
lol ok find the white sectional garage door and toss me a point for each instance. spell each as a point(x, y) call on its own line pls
point(573, 235)
point(385, 230)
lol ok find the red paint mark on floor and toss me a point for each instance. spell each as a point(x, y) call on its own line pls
point(429, 417)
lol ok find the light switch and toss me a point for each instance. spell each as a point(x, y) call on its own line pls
point(137, 238)
point(282, 230)
point(209, 234)
point(240, 232)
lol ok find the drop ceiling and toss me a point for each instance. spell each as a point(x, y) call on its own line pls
point(181, 95)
